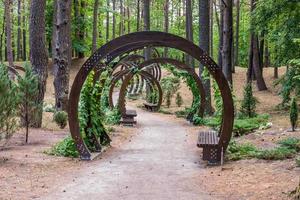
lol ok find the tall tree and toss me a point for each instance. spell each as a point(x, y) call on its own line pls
point(2, 37)
point(8, 28)
point(254, 68)
point(19, 32)
point(81, 31)
point(204, 44)
point(237, 31)
point(166, 22)
point(114, 20)
point(189, 28)
point(121, 25)
point(227, 40)
point(107, 19)
point(221, 25)
point(138, 16)
point(147, 25)
point(38, 52)
point(95, 25)
point(24, 32)
point(62, 57)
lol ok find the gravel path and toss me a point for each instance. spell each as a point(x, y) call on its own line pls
point(159, 163)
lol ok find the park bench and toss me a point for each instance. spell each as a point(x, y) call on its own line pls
point(151, 107)
point(209, 141)
point(128, 118)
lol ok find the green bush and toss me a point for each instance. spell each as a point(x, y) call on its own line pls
point(237, 151)
point(198, 121)
point(65, 148)
point(8, 105)
point(278, 153)
point(294, 114)
point(113, 117)
point(248, 104)
point(60, 118)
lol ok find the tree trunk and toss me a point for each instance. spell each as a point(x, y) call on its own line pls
point(8, 28)
point(95, 26)
point(254, 60)
point(114, 20)
point(128, 20)
point(62, 57)
point(211, 28)
point(189, 29)
point(76, 21)
point(220, 63)
point(121, 32)
point(24, 34)
point(266, 55)
point(38, 52)
point(19, 32)
point(227, 40)
point(107, 20)
point(147, 52)
point(138, 16)
point(204, 44)
point(166, 23)
point(237, 31)
point(1, 39)
point(82, 25)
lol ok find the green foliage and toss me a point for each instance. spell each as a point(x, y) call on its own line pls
point(179, 100)
point(248, 104)
point(27, 92)
point(170, 85)
point(65, 148)
point(198, 121)
point(218, 100)
point(153, 97)
point(60, 118)
point(49, 108)
point(8, 105)
point(294, 114)
point(113, 117)
point(290, 82)
point(287, 149)
point(91, 115)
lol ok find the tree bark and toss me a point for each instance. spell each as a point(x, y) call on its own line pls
point(146, 16)
point(19, 32)
point(38, 52)
point(221, 33)
point(8, 28)
point(62, 57)
point(211, 28)
point(82, 26)
point(95, 25)
point(114, 20)
point(1, 38)
point(24, 34)
point(121, 32)
point(166, 23)
point(237, 31)
point(266, 55)
point(138, 16)
point(107, 20)
point(189, 29)
point(204, 44)
point(227, 40)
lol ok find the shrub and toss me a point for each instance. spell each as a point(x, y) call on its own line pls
point(27, 92)
point(65, 148)
point(294, 114)
point(179, 100)
point(60, 118)
point(49, 108)
point(248, 104)
point(8, 106)
point(170, 85)
point(237, 151)
point(198, 121)
point(113, 117)
point(291, 143)
point(278, 153)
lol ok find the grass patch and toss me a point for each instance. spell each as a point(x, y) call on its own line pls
point(64, 148)
point(286, 148)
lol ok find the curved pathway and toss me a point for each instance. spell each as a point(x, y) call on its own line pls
point(161, 162)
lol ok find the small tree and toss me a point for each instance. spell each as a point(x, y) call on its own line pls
point(249, 102)
point(60, 118)
point(294, 114)
point(8, 105)
point(179, 100)
point(28, 90)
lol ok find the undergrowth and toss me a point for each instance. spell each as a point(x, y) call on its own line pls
point(287, 148)
point(64, 148)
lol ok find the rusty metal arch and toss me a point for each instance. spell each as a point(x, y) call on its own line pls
point(126, 81)
point(139, 40)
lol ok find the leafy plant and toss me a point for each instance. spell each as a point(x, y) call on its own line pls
point(168, 99)
point(293, 114)
point(170, 85)
point(113, 117)
point(27, 92)
point(60, 118)
point(198, 121)
point(248, 104)
point(179, 100)
point(65, 148)
point(8, 105)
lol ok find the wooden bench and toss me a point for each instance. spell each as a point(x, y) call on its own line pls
point(150, 106)
point(128, 118)
point(209, 141)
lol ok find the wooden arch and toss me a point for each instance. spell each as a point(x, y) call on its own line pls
point(140, 40)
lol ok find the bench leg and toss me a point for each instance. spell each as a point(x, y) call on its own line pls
point(213, 155)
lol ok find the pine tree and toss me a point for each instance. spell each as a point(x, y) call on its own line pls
point(178, 100)
point(294, 114)
point(249, 102)
point(28, 90)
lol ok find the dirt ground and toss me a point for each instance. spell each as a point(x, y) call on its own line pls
point(26, 172)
